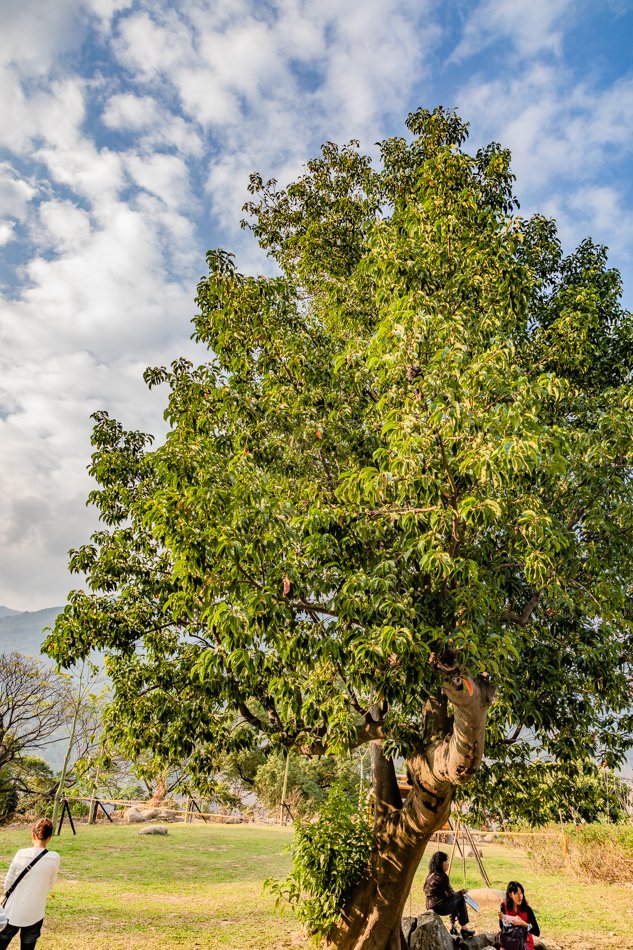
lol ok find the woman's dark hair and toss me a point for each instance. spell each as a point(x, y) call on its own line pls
point(512, 888)
point(43, 829)
point(437, 861)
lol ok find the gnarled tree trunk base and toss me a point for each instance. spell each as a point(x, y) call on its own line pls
point(371, 920)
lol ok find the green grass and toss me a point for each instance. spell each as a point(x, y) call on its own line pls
point(200, 888)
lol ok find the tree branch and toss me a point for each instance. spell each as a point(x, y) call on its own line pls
point(387, 797)
point(250, 717)
point(512, 738)
point(456, 758)
point(398, 511)
point(365, 733)
point(452, 758)
point(523, 618)
point(318, 608)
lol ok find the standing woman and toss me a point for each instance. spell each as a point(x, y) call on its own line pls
point(516, 908)
point(27, 900)
point(441, 897)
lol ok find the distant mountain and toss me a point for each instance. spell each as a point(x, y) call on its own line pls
point(24, 630)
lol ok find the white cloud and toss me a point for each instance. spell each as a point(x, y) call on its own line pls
point(600, 209)
point(6, 232)
point(152, 46)
point(15, 192)
point(39, 531)
point(556, 126)
point(130, 112)
point(244, 60)
point(35, 34)
point(53, 114)
point(531, 26)
point(156, 126)
point(571, 140)
point(165, 176)
point(62, 226)
point(105, 9)
point(92, 173)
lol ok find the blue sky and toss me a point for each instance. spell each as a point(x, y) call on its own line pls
point(127, 133)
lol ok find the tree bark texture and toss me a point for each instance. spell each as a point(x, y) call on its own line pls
point(451, 755)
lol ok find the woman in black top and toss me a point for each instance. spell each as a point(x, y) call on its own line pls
point(441, 897)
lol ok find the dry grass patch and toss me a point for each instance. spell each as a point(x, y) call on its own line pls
point(589, 853)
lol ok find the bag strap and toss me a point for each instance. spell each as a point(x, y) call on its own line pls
point(23, 873)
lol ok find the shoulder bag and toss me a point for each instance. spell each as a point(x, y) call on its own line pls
point(513, 938)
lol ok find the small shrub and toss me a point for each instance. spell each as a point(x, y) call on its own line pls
point(329, 856)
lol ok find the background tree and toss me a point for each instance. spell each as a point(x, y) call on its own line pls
point(308, 782)
point(401, 484)
point(26, 786)
point(536, 792)
point(33, 706)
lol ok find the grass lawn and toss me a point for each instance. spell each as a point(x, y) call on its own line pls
point(200, 888)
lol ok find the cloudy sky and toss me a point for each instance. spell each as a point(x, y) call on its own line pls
point(128, 129)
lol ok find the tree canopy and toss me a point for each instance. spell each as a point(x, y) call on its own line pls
point(399, 486)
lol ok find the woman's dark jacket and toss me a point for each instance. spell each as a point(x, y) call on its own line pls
point(437, 888)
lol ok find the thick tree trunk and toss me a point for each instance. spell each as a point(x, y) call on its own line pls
point(371, 919)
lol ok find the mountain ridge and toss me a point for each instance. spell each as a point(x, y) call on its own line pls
point(23, 630)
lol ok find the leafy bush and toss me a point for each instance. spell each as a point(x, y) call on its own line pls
point(8, 795)
point(329, 856)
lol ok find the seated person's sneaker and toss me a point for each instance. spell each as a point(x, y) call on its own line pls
point(453, 931)
point(466, 933)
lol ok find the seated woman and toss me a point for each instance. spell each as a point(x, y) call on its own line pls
point(441, 897)
point(516, 911)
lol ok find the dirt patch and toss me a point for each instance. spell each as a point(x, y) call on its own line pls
point(598, 942)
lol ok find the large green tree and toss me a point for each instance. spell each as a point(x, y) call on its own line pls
point(400, 486)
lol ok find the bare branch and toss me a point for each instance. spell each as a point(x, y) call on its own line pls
point(397, 512)
point(317, 608)
point(364, 734)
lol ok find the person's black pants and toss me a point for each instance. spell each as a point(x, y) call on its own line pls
point(453, 907)
point(28, 935)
